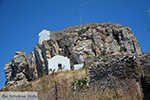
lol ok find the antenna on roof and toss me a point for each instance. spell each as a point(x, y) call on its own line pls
point(148, 10)
point(80, 17)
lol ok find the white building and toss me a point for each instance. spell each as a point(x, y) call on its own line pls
point(44, 35)
point(58, 63)
point(78, 66)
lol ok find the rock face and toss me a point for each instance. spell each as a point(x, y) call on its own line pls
point(21, 69)
point(77, 43)
point(125, 72)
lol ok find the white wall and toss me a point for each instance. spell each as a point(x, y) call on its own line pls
point(78, 66)
point(53, 63)
point(44, 35)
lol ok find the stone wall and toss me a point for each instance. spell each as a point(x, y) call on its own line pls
point(124, 71)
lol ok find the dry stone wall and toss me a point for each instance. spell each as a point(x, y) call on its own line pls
point(122, 72)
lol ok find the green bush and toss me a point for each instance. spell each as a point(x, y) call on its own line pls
point(80, 84)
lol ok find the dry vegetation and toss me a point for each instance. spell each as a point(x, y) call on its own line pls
point(58, 86)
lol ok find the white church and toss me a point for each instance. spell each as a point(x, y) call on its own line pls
point(44, 35)
point(58, 62)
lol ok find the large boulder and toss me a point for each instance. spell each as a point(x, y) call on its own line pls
point(21, 68)
point(105, 39)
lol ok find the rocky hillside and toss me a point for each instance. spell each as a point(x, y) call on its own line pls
point(110, 52)
point(77, 43)
point(59, 86)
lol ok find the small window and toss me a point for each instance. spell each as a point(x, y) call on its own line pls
point(59, 66)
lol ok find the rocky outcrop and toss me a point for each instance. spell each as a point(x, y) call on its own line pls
point(21, 69)
point(77, 43)
point(120, 71)
point(43, 52)
point(80, 42)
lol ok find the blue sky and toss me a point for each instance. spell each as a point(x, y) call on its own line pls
point(17, 15)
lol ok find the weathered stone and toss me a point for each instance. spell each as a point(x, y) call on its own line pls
point(19, 60)
point(79, 43)
point(40, 63)
point(8, 71)
point(82, 50)
point(111, 72)
point(21, 67)
point(54, 48)
point(70, 38)
point(58, 36)
point(31, 61)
